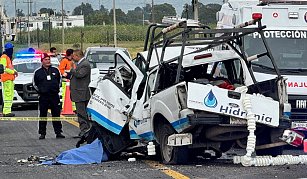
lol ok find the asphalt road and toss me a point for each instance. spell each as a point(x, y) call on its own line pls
point(19, 140)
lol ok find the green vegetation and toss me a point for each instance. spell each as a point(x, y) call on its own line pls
point(129, 36)
point(137, 16)
point(92, 34)
point(99, 29)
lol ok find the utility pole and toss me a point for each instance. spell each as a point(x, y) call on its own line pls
point(20, 39)
point(143, 18)
point(152, 12)
point(82, 39)
point(195, 8)
point(186, 11)
point(114, 21)
point(29, 37)
point(37, 36)
point(63, 35)
point(28, 24)
point(49, 30)
point(15, 20)
point(31, 9)
point(15, 9)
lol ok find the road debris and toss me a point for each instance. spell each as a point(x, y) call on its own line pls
point(34, 160)
point(131, 159)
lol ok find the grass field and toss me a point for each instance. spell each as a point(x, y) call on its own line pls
point(129, 36)
point(133, 46)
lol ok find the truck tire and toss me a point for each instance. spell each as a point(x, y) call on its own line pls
point(171, 155)
point(112, 143)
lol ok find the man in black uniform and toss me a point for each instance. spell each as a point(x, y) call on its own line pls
point(47, 81)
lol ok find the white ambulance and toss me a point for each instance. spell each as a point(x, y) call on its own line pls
point(286, 34)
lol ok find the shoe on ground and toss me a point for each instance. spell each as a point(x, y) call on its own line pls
point(9, 115)
point(60, 136)
point(76, 137)
point(42, 137)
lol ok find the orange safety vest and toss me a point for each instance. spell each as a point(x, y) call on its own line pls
point(64, 65)
point(5, 76)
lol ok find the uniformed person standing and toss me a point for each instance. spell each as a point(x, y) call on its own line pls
point(7, 80)
point(47, 81)
point(64, 67)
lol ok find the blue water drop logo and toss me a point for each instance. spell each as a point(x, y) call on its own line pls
point(210, 100)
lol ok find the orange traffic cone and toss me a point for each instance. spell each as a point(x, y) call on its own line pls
point(67, 107)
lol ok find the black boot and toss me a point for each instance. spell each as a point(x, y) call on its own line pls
point(42, 137)
point(60, 136)
point(9, 115)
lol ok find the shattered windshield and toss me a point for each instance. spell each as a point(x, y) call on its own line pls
point(102, 59)
point(101, 56)
point(289, 49)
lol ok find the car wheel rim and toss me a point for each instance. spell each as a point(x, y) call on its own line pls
point(167, 150)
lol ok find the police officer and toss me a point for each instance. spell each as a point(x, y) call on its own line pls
point(47, 81)
point(7, 80)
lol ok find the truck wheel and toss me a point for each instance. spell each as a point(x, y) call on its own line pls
point(112, 143)
point(171, 155)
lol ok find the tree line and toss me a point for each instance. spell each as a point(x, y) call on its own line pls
point(138, 16)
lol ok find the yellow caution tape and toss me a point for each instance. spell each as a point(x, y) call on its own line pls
point(38, 118)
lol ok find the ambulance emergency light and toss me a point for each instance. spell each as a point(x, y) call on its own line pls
point(256, 16)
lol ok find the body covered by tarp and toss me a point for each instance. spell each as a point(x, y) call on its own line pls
point(87, 154)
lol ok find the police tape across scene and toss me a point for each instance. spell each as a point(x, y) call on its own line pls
point(38, 118)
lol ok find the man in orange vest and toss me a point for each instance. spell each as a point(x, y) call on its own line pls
point(7, 79)
point(65, 66)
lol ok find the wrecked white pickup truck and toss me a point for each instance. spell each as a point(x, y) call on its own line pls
point(186, 98)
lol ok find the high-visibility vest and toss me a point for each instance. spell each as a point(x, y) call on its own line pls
point(8, 68)
point(65, 65)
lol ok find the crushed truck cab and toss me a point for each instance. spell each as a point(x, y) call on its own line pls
point(186, 97)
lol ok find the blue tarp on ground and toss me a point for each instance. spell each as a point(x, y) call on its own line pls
point(87, 154)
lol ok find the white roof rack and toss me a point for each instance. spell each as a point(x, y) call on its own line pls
point(173, 20)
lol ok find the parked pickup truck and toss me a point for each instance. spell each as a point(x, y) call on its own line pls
point(187, 98)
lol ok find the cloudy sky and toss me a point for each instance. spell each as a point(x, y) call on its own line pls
point(69, 5)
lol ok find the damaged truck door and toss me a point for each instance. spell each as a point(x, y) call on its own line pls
point(114, 99)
